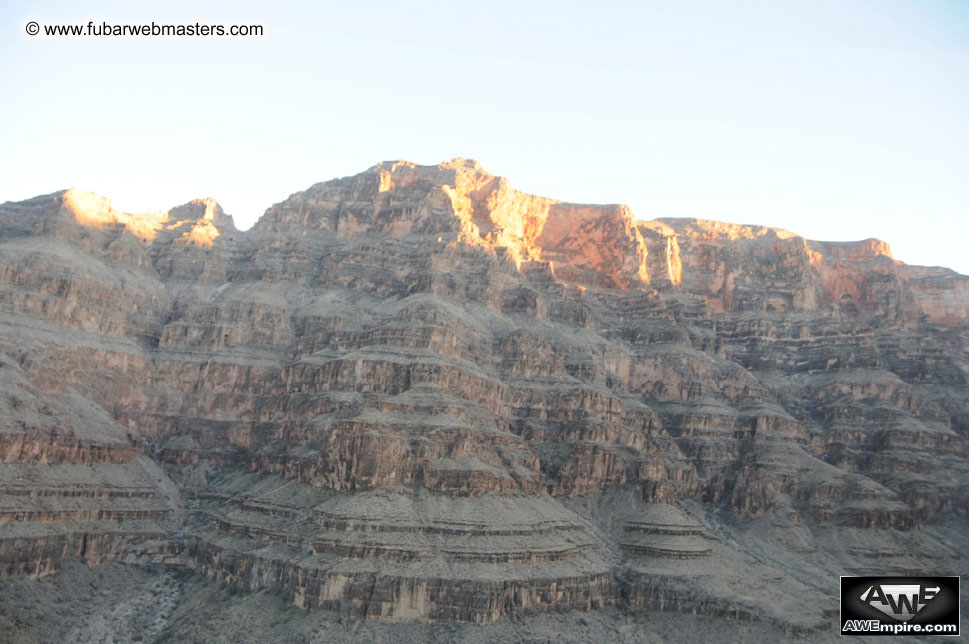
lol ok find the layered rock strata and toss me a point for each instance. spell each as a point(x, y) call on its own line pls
point(417, 393)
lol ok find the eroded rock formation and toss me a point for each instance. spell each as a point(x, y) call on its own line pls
point(417, 393)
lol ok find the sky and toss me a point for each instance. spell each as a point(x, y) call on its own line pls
point(836, 119)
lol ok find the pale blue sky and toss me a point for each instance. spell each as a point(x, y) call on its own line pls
point(838, 119)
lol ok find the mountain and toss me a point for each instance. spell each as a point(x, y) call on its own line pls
point(420, 396)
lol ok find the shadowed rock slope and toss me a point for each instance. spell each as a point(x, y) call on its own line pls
point(419, 394)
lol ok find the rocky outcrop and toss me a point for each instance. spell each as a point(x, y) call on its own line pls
point(417, 393)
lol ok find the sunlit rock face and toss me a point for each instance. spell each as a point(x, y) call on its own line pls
point(417, 393)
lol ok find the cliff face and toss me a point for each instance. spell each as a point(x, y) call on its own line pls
point(417, 393)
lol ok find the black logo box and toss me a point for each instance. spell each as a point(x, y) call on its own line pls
point(942, 608)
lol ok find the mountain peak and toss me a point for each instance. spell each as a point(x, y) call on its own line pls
point(198, 222)
point(459, 201)
point(457, 163)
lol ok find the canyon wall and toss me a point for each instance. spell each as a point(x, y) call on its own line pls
point(417, 393)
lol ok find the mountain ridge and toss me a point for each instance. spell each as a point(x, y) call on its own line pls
point(583, 243)
point(419, 394)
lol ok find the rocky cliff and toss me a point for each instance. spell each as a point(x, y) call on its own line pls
point(419, 394)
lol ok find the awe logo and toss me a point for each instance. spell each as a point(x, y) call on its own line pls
point(900, 606)
point(901, 601)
